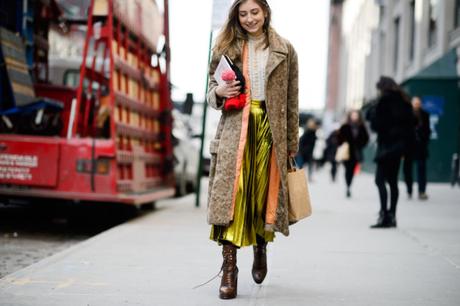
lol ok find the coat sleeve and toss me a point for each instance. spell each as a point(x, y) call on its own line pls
point(378, 116)
point(211, 97)
point(293, 103)
point(364, 137)
point(341, 135)
point(426, 126)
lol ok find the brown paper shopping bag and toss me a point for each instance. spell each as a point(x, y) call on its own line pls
point(299, 197)
point(343, 152)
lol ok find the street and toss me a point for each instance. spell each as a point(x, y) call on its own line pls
point(331, 258)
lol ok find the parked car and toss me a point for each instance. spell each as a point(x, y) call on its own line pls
point(186, 151)
point(212, 121)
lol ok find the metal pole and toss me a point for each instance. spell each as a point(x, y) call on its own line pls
point(166, 33)
point(203, 132)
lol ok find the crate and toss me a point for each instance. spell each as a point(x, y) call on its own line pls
point(142, 140)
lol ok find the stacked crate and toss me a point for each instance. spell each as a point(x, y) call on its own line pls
point(137, 108)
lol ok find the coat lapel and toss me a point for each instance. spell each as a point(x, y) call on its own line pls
point(274, 59)
point(277, 54)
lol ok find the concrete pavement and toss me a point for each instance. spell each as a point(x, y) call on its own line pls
point(332, 258)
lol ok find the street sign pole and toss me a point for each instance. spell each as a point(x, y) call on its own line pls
point(203, 133)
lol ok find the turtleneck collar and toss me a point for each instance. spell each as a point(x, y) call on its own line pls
point(257, 38)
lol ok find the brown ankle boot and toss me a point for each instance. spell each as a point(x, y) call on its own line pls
point(259, 267)
point(229, 282)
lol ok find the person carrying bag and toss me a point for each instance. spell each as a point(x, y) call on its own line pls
point(248, 199)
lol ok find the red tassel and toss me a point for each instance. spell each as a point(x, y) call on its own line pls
point(235, 103)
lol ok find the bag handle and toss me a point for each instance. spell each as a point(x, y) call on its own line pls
point(292, 164)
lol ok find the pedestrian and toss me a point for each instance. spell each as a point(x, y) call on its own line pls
point(247, 200)
point(307, 146)
point(331, 150)
point(393, 121)
point(418, 151)
point(353, 132)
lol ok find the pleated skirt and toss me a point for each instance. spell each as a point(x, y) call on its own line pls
point(247, 227)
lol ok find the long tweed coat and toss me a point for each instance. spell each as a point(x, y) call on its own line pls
point(281, 92)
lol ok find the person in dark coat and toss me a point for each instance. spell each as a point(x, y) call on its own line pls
point(331, 150)
point(418, 151)
point(354, 132)
point(393, 120)
point(307, 145)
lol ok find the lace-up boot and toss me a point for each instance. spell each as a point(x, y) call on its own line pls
point(229, 282)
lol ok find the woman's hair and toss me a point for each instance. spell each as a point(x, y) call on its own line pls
point(387, 84)
point(232, 34)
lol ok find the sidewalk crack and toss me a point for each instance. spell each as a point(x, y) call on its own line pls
point(429, 248)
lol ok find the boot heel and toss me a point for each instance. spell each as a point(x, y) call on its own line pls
point(236, 285)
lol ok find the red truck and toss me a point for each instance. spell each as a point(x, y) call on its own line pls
point(109, 139)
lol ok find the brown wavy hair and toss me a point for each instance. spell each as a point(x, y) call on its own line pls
point(232, 35)
point(386, 84)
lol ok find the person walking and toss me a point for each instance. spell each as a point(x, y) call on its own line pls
point(247, 200)
point(307, 146)
point(353, 132)
point(392, 119)
point(418, 151)
point(331, 150)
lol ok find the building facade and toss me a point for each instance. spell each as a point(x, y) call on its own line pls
point(335, 34)
point(416, 42)
point(397, 38)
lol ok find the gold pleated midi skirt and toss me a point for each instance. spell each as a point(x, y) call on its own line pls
point(251, 197)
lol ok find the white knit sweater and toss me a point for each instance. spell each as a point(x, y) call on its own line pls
point(258, 57)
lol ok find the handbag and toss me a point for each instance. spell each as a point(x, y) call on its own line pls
point(343, 152)
point(299, 205)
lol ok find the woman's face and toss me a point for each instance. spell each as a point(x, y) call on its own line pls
point(416, 103)
point(354, 116)
point(251, 17)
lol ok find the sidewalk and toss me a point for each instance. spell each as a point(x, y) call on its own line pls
point(332, 258)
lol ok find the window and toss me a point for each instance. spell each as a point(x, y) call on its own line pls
point(457, 13)
point(412, 30)
point(396, 44)
point(74, 9)
point(71, 78)
point(433, 22)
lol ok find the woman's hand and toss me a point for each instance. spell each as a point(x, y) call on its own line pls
point(228, 89)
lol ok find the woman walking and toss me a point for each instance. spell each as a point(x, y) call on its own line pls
point(247, 199)
point(353, 132)
point(330, 151)
point(307, 146)
point(393, 121)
